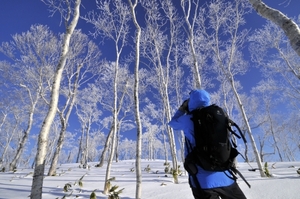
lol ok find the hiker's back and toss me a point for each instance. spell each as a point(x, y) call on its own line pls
point(213, 150)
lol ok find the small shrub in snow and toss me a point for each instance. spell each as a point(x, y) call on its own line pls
point(93, 195)
point(67, 187)
point(167, 169)
point(114, 193)
point(266, 170)
point(147, 169)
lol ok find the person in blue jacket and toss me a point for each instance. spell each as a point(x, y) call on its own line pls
point(204, 184)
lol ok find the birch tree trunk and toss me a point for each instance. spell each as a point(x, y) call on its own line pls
point(33, 44)
point(53, 165)
point(115, 123)
point(290, 28)
point(138, 193)
point(165, 96)
point(109, 137)
point(117, 145)
point(24, 139)
point(105, 148)
point(158, 58)
point(178, 84)
point(110, 159)
point(118, 140)
point(228, 65)
point(255, 151)
point(3, 119)
point(186, 6)
point(64, 122)
point(80, 145)
point(55, 130)
point(9, 139)
point(165, 148)
point(113, 24)
point(38, 176)
point(273, 131)
point(86, 153)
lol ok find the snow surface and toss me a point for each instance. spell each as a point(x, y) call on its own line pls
point(156, 184)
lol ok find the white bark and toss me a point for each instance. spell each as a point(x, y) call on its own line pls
point(38, 177)
point(190, 19)
point(110, 159)
point(165, 147)
point(290, 28)
point(64, 118)
point(232, 63)
point(81, 66)
point(9, 139)
point(105, 147)
point(31, 52)
point(53, 136)
point(115, 123)
point(157, 56)
point(80, 148)
point(108, 139)
point(255, 151)
point(112, 23)
point(138, 192)
point(88, 113)
point(273, 131)
point(24, 139)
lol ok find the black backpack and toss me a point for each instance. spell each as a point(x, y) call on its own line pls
point(215, 150)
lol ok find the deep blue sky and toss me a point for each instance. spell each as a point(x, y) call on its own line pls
point(16, 16)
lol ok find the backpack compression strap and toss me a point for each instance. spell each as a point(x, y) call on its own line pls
point(239, 173)
point(238, 128)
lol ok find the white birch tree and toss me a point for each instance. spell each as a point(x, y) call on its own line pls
point(191, 12)
point(181, 80)
point(11, 134)
point(279, 66)
point(88, 113)
point(53, 136)
point(158, 50)
point(138, 193)
point(112, 23)
point(151, 114)
point(124, 101)
point(290, 28)
point(280, 126)
point(70, 16)
point(33, 54)
point(150, 137)
point(227, 56)
point(82, 65)
point(271, 51)
point(127, 149)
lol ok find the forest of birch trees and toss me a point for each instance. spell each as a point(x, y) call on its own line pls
point(106, 94)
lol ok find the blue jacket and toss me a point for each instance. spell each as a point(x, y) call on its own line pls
point(182, 121)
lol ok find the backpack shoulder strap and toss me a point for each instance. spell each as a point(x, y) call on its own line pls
point(188, 145)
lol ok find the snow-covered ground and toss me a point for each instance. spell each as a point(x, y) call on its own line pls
point(156, 184)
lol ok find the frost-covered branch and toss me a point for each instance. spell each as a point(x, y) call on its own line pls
point(290, 28)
